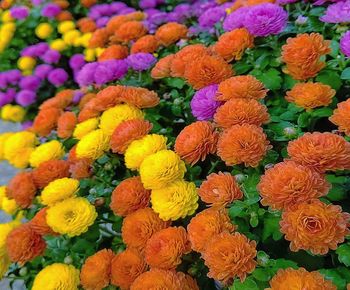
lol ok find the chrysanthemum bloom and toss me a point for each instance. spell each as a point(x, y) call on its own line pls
point(141, 61)
point(147, 43)
point(207, 70)
point(177, 200)
point(229, 256)
point(231, 45)
point(129, 196)
point(127, 132)
point(39, 224)
point(47, 151)
point(220, 189)
point(130, 30)
point(92, 145)
point(341, 117)
point(57, 276)
point(71, 216)
point(114, 52)
point(196, 141)
point(170, 33)
point(139, 97)
point(3, 138)
point(321, 151)
point(85, 127)
point(126, 267)
point(96, 270)
point(310, 95)
point(336, 13)
point(207, 224)
point(162, 68)
point(115, 22)
point(86, 25)
point(161, 168)
point(24, 244)
point(187, 282)
point(46, 121)
point(5, 229)
point(22, 189)
point(157, 279)
point(79, 167)
point(59, 190)
point(289, 279)
point(99, 38)
point(66, 124)
point(139, 226)
point(241, 111)
point(60, 101)
point(243, 144)
point(345, 44)
point(166, 247)
point(50, 170)
point(288, 184)
point(302, 55)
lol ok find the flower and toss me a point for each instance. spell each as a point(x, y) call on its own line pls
point(139, 226)
point(241, 111)
point(49, 171)
point(321, 151)
point(231, 150)
point(157, 278)
point(229, 256)
point(114, 52)
point(22, 189)
point(231, 45)
point(345, 44)
point(126, 267)
point(130, 30)
point(66, 124)
point(315, 227)
point(50, 10)
point(43, 30)
point(76, 61)
point(340, 117)
point(39, 225)
point(337, 13)
point(220, 189)
point(170, 33)
point(46, 151)
point(12, 113)
point(147, 43)
point(129, 196)
point(85, 127)
point(42, 70)
point(5, 229)
point(57, 275)
point(3, 138)
point(99, 38)
point(310, 95)
point(53, 56)
point(71, 216)
point(196, 141)
point(203, 103)
point(26, 63)
point(25, 98)
point(57, 77)
point(289, 279)
point(165, 248)
point(288, 184)
point(31, 83)
point(235, 19)
point(46, 120)
point(162, 67)
point(19, 12)
point(141, 61)
point(92, 145)
point(58, 190)
point(210, 17)
point(23, 244)
point(96, 270)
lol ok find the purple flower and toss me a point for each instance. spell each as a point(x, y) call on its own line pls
point(51, 56)
point(30, 83)
point(144, 4)
point(19, 12)
point(27, 124)
point(265, 19)
point(76, 61)
point(235, 19)
point(141, 61)
point(203, 104)
point(3, 80)
point(103, 74)
point(85, 76)
point(301, 20)
point(101, 22)
point(7, 97)
point(345, 44)
point(116, 7)
point(35, 50)
point(337, 13)
point(210, 17)
point(25, 98)
point(50, 10)
point(13, 76)
point(119, 66)
point(77, 96)
point(42, 70)
point(57, 77)
point(127, 10)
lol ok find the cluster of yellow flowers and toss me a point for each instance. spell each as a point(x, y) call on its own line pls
point(7, 29)
point(13, 113)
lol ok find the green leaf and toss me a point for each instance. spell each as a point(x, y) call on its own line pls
point(236, 209)
point(248, 284)
point(343, 252)
point(345, 75)
point(271, 227)
point(242, 67)
point(330, 77)
point(284, 264)
point(322, 112)
point(334, 276)
point(304, 120)
point(261, 274)
point(271, 79)
point(175, 82)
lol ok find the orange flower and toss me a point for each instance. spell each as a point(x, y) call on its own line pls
point(187, 282)
point(85, 99)
point(157, 279)
point(99, 38)
point(302, 55)
point(114, 51)
point(166, 247)
point(139, 97)
point(66, 124)
point(147, 43)
point(130, 30)
point(63, 16)
point(139, 226)
point(315, 227)
point(245, 87)
point(129, 196)
point(128, 131)
point(341, 117)
point(60, 101)
point(241, 111)
point(39, 224)
point(229, 256)
point(46, 121)
point(62, 3)
point(96, 271)
point(196, 141)
point(243, 144)
point(126, 267)
point(310, 95)
point(22, 189)
point(290, 279)
point(88, 3)
point(231, 45)
point(162, 67)
point(170, 33)
point(206, 71)
point(49, 171)
point(288, 184)
point(79, 167)
point(86, 25)
point(115, 22)
point(220, 189)
point(24, 244)
point(321, 151)
point(207, 224)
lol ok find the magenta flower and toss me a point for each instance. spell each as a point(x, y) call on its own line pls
point(57, 77)
point(77, 61)
point(51, 56)
point(30, 83)
point(42, 70)
point(25, 98)
point(337, 13)
point(19, 12)
point(235, 19)
point(211, 16)
point(345, 44)
point(141, 61)
point(50, 10)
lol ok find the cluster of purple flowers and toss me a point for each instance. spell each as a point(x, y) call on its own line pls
point(43, 52)
point(337, 13)
point(19, 12)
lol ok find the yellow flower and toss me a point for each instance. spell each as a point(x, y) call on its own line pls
point(2, 193)
point(6, 16)
point(59, 190)
point(5, 229)
point(8, 28)
point(43, 30)
point(57, 276)
point(47, 151)
point(3, 138)
point(69, 37)
point(99, 50)
point(26, 63)
point(85, 127)
point(89, 54)
point(58, 44)
point(65, 26)
point(138, 150)
point(160, 169)
point(9, 205)
point(12, 113)
point(175, 201)
point(112, 117)
point(72, 216)
point(4, 264)
point(85, 39)
point(92, 145)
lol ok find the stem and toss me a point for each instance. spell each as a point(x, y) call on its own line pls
point(213, 166)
